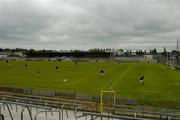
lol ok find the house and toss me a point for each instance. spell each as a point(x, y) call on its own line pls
point(148, 57)
point(3, 55)
point(133, 53)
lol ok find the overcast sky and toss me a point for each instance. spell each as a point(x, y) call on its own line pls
point(85, 24)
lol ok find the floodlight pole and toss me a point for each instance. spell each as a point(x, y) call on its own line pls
point(169, 56)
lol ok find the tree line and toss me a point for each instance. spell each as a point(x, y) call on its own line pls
point(91, 52)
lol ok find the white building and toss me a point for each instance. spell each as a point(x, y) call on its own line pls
point(148, 57)
point(3, 55)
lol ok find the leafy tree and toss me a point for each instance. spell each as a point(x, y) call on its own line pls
point(164, 51)
point(154, 51)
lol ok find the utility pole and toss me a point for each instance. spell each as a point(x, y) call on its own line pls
point(177, 45)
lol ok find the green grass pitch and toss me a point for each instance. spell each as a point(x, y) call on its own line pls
point(161, 88)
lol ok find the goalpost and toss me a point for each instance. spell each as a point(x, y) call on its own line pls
point(101, 99)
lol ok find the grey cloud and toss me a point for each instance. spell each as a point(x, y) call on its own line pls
point(84, 24)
